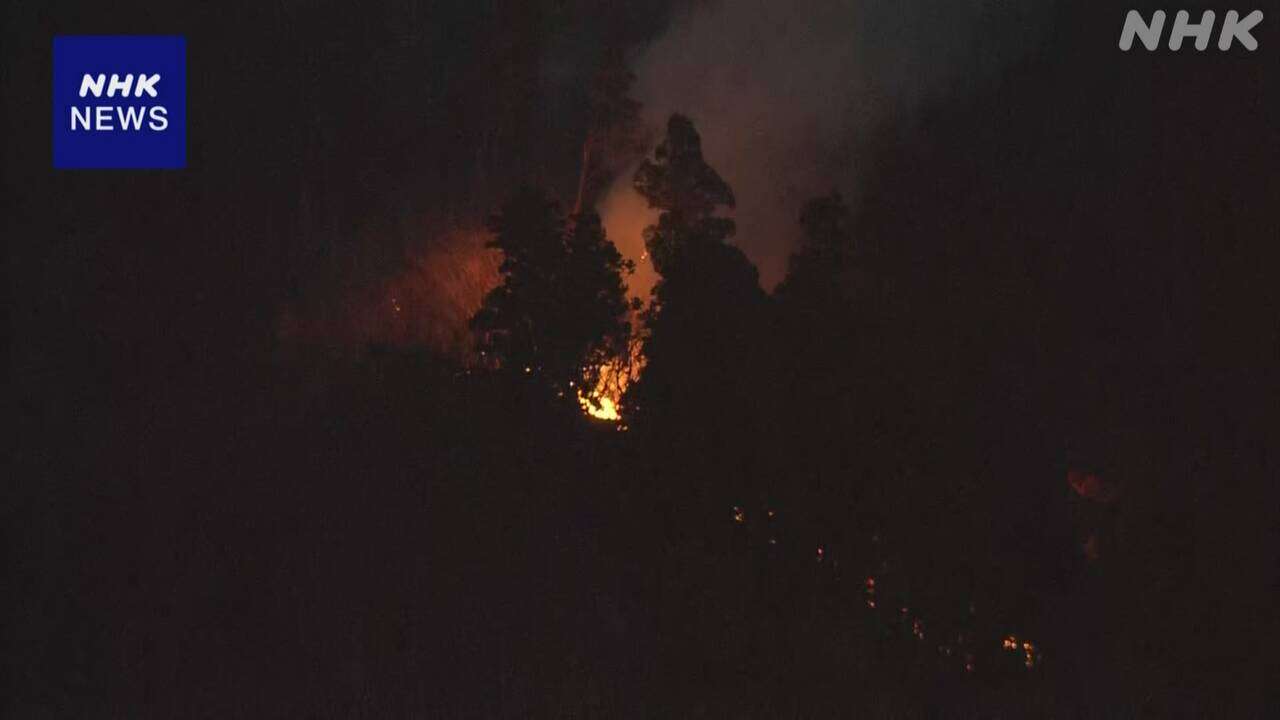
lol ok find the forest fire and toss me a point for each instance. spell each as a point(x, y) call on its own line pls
point(614, 376)
point(604, 401)
point(655, 358)
point(426, 303)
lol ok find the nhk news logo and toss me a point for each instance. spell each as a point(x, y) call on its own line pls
point(119, 101)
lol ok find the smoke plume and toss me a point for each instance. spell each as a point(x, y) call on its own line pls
point(785, 96)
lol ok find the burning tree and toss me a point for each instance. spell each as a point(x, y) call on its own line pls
point(561, 309)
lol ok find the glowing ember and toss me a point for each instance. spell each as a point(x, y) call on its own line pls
point(1030, 653)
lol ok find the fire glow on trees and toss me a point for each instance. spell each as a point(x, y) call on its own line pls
point(625, 215)
point(426, 303)
point(604, 401)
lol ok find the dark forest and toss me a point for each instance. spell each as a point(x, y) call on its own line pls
point(683, 358)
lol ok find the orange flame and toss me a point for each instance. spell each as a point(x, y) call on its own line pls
point(625, 215)
point(604, 401)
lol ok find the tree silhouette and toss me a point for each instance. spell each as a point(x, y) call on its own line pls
point(706, 285)
point(831, 374)
point(680, 183)
point(594, 298)
point(817, 270)
point(705, 317)
point(561, 307)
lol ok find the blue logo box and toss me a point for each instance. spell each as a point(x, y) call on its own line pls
point(119, 101)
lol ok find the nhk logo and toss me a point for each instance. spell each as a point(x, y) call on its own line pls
point(1234, 29)
point(119, 101)
point(99, 117)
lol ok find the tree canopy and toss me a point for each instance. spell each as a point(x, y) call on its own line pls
point(826, 252)
point(702, 325)
point(561, 307)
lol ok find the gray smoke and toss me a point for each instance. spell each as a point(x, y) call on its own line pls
point(785, 94)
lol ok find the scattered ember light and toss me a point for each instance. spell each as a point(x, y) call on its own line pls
point(1028, 649)
point(957, 643)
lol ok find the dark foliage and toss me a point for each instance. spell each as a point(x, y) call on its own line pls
point(702, 344)
point(561, 308)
